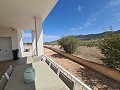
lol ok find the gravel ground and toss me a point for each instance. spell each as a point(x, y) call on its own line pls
point(90, 77)
point(92, 54)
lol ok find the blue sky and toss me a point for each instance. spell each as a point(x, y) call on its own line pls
point(74, 17)
point(27, 37)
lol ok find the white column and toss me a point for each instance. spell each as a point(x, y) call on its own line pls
point(39, 36)
point(20, 42)
point(33, 43)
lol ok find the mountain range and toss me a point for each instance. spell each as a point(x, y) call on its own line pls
point(89, 36)
point(96, 36)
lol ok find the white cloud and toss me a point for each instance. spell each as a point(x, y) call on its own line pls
point(75, 30)
point(79, 8)
point(90, 22)
point(27, 35)
point(49, 38)
point(113, 3)
point(107, 8)
point(117, 16)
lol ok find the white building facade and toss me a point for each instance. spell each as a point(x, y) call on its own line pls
point(19, 15)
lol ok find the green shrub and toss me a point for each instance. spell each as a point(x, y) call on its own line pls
point(82, 44)
point(96, 45)
point(69, 44)
point(90, 44)
point(110, 47)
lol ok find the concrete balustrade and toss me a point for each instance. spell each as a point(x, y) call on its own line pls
point(78, 85)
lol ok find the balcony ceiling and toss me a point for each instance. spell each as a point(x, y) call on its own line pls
point(21, 13)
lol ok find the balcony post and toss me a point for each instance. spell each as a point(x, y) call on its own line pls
point(39, 36)
point(33, 43)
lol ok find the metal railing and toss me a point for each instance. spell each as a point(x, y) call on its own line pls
point(78, 85)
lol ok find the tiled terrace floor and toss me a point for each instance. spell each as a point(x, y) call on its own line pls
point(4, 65)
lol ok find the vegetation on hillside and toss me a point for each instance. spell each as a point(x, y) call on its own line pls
point(28, 43)
point(110, 47)
point(89, 43)
point(96, 36)
point(51, 43)
point(89, 40)
point(69, 44)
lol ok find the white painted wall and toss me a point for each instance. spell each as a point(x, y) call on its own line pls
point(16, 38)
point(7, 32)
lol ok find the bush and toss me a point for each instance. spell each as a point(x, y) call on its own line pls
point(110, 47)
point(82, 44)
point(90, 44)
point(69, 44)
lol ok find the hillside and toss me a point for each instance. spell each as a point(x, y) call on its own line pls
point(95, 36)
point(87, 37)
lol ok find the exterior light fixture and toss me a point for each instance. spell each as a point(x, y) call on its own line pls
point(12, 27)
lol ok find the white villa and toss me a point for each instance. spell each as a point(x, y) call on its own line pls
point(19, 15)
point(16, 16)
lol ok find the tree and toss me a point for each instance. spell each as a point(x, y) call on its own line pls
point(110, 47)
point(69, 44)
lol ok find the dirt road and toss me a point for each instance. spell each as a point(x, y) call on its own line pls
point(90, 77)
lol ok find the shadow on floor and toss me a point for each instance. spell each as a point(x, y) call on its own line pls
point(4, 65)
point(95, 79)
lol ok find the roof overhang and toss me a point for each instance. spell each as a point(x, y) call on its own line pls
point(21, 13)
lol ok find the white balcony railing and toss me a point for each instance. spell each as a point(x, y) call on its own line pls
point(78, 85)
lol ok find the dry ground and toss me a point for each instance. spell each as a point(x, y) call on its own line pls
point(92, 54)
point(25, 54)
point(90, 77)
